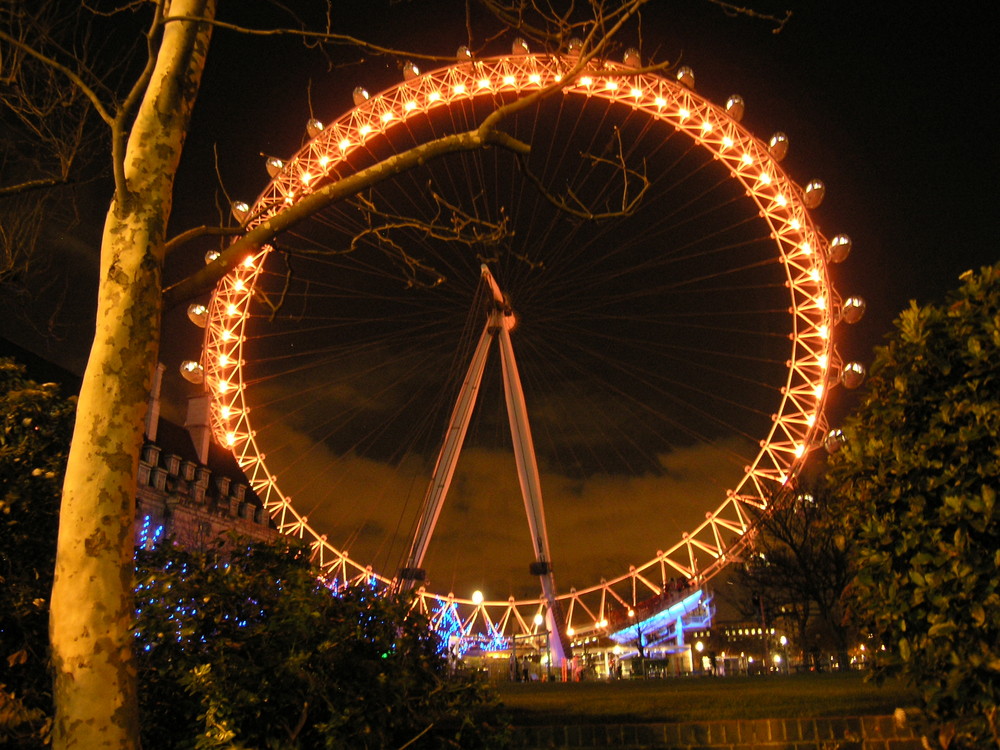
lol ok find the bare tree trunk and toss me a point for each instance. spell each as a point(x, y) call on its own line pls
point(92, 611)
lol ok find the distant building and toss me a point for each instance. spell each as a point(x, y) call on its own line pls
point(740, 647)
point(190, 489)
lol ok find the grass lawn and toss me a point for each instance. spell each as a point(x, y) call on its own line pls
point(701, 698)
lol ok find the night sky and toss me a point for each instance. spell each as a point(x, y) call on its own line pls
point(886, 103)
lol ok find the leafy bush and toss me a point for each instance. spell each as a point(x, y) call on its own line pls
point(922, 465)
point(35, 427)
point(250, 649)
point(245, 649)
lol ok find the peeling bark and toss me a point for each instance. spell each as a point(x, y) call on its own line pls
point(92, 610)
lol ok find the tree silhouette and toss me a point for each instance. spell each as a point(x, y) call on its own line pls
point(800, 567)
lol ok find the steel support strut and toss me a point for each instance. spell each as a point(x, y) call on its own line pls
point(498, 325)
point(531, 491)
point(412, 571)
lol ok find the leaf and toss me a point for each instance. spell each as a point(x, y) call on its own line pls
point(989, 496)
point(978, 614)
point(942, 628)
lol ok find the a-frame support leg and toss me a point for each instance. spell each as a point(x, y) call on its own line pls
point(498, 325)
point(412, 572)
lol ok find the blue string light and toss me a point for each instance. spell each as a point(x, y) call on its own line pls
point(496, 641)
point(451, 635)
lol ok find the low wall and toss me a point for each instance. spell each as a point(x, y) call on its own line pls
point(854, 733)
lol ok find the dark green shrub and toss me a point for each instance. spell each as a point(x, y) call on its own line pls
point(250, 649)
point(922, 466)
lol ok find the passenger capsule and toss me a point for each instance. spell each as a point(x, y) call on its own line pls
point(778, 146)
point(410, 71)
point(274, 165)
point(198, 314)
point(519, 47)
point(240, 211)
point(685, 77)
point(853, 375)
point(735, 107)
point(839, 249)
point(193, 372)
point(814, 194)
point(360, 96)
point(835, 440)
point(314, 127)
point(574, 46)
point(853, 310)
point(632, 58)
point(211, 256)
point(463, 54)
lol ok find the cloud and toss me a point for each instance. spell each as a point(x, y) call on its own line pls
point(597, 525)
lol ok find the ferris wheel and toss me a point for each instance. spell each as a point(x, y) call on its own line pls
point(653, 265)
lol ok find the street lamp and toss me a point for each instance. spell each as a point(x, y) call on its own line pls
point(700, 648)
point(539, 621)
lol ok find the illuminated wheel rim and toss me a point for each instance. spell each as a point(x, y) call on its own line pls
point(797, 424)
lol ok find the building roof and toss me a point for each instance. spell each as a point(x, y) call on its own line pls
point(172, 438)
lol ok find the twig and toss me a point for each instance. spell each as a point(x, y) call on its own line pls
point(739, 10)
point(417, 737)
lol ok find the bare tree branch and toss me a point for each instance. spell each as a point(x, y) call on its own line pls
point(592, 47)
point(49, 145)
point(264, 298)
point(197, 232)
point(70, 75)
point(458, 226)
point(267, 230)
point(324, 37)
point(731, 9)
point(28, 185)
point(120, 125)
point(608, 21)
point(630, 200)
